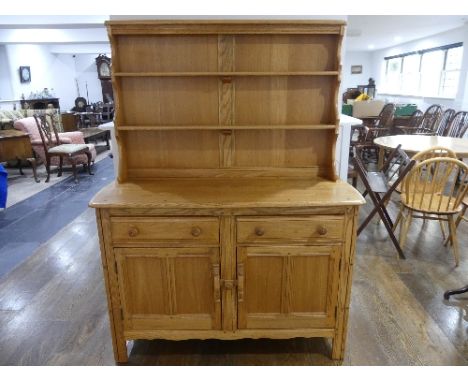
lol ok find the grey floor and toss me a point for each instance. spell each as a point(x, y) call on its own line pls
point(29, 223)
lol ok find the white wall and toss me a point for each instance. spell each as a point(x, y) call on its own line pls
point(86, 75)
point(454, 36)
point(349, 80)
point(5, 82)
point(59, 71)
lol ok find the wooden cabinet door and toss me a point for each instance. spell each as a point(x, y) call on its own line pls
point(287, 287)
point(169, 288)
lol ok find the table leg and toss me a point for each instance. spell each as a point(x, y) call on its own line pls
point(107, 140)
point(381, 158)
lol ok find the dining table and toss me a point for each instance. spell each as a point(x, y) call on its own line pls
point(413, 144)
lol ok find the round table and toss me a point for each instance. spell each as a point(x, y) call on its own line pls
point(413, 144)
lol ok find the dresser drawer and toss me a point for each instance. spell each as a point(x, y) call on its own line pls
point(193, 230)
point(289, 229)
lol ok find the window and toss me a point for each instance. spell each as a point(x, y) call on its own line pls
point(429, 73)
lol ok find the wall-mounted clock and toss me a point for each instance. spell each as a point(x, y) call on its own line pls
point(25, 74)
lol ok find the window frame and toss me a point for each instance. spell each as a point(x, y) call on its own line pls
point(418, 92)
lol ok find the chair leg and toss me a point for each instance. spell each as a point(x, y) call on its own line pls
point(48, 169)
point(405, 224)
point(20, 165)
point(388, 226)
point(441, 223)
point(60, 166)
point(460, 215)
point(88, 154)
point(34, 165)
point(398, 218)
point(73, 162)
point(453, 236)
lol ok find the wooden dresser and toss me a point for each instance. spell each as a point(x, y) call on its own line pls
point(227, 220)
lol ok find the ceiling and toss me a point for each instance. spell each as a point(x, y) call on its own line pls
point(368, 33)
point(364, 33)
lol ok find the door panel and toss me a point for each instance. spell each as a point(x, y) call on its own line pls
point(169, 288)
point(287, 287)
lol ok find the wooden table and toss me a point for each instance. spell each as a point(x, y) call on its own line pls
point(15, 144)
point(413, 144)
point(94, 133)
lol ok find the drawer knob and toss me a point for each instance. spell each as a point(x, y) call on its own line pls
point(259, 232)
point(196, 231)
point(133, 231)
point(321, 230)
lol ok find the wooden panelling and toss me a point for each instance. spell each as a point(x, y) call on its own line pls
point(280, 148)
point(288, 287)
point(169, 101)
point(273, 229)
point(169, 288)
point(285, 53)
point(171, 149)
point(284, 100)
point(167, 53)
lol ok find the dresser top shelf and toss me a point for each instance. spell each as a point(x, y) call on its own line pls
point(227, 193)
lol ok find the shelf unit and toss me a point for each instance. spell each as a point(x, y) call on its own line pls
point(227, 220)
point(246, 86)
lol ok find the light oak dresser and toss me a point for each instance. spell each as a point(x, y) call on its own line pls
point(226, 220)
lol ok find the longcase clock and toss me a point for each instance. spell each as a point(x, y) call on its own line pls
point(103, 64)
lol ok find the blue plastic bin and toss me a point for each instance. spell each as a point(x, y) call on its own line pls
point(3, 187)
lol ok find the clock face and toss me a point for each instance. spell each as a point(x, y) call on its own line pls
point(25, 74)
point(104, 70)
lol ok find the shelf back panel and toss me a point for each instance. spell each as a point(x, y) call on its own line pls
point(168, 53)
point(285, 53)
point(284, 100)
point(170, 101)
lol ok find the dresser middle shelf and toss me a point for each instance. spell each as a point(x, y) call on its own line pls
point(223, 74)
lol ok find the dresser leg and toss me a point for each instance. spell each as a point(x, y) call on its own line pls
point(120, 351)
point(338, 346)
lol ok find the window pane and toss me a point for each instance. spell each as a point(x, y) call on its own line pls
point(454, 58)
point(449, 85)
point(431, 70)
point(410, 76)
point(394, 75)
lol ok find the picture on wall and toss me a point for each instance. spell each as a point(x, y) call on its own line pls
point(25, 74)
point(356, 69)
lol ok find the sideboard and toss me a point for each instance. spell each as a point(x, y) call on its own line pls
point(227, 219)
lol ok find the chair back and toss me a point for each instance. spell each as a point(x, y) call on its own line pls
point(415, 119)
point(431, 186)
point(47, 131)
point(458, 125)
point(434, 152)
point(386, 116)
point(429, 119)
point(444, 122)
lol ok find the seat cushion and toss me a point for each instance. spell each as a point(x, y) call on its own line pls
point(69, 149)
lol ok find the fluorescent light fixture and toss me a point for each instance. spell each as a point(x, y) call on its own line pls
point(370, 46)
point(397, 38)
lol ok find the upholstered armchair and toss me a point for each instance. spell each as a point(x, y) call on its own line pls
point(28, 125)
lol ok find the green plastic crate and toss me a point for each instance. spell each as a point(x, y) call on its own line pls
point(405, 110)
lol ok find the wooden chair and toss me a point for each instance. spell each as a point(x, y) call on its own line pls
point(458, 125)
point(53, 147)
point(380, 186)
point(430, 189)
point(372, 128)
point(428, 122)
point(413, 121)
point(444, 122)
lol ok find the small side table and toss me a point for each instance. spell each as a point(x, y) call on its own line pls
point(15, 144)
point(94, 133)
